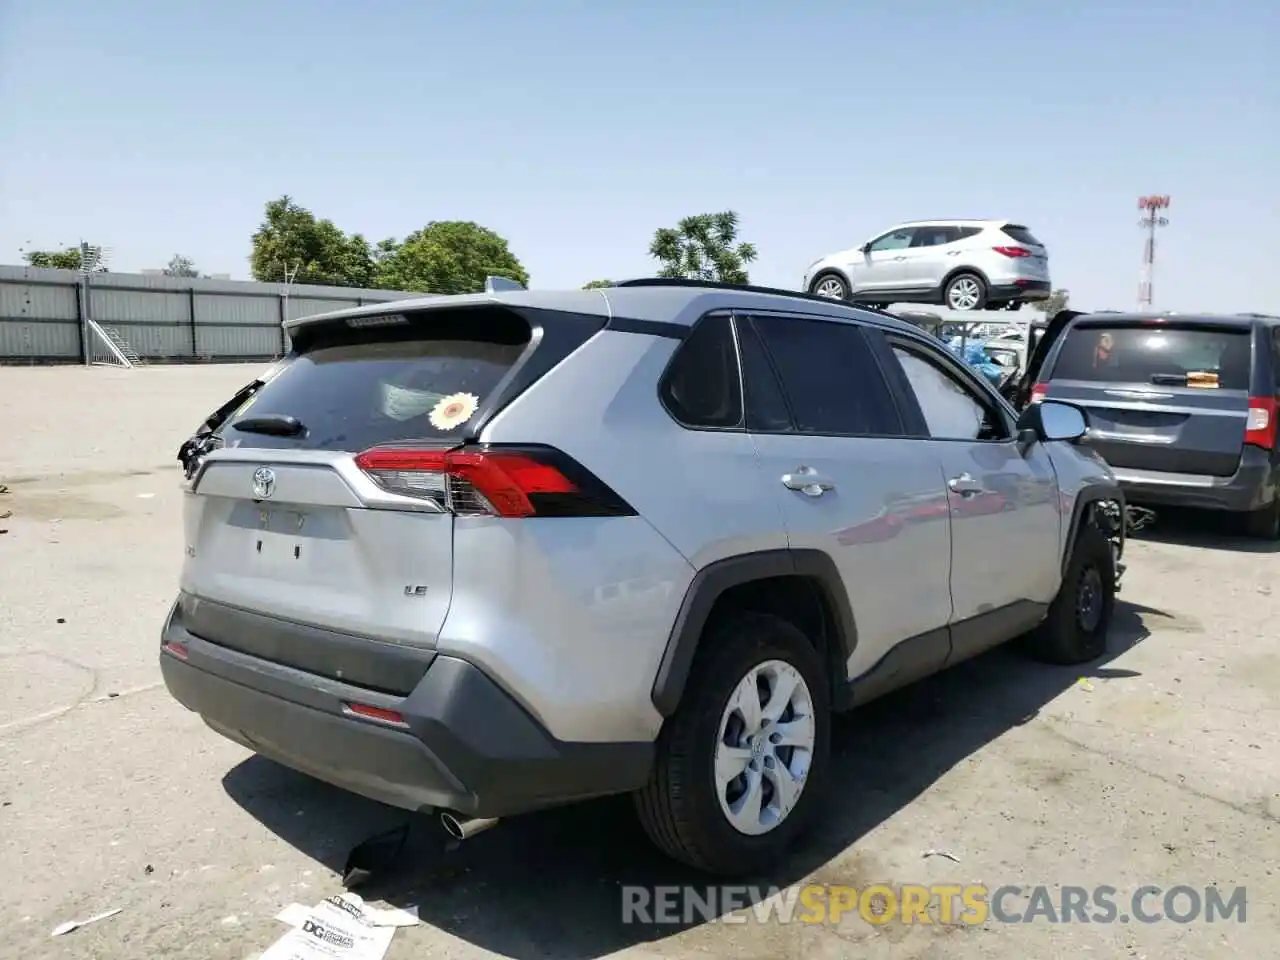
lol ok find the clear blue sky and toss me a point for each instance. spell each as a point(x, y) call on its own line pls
point(576, 129)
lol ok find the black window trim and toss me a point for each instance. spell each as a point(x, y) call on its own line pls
point(794, 429)
point(867, 331)
point(962, 372)
point(741, 426)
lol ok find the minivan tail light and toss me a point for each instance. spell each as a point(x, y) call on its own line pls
point(496, 480)
point(1260, 429)
point(1038, 391)
point(1014, 252)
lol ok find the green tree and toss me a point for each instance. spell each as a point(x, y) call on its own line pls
point(1055, 304)
point(703, 247)
point(446, 256)
point(292, 244)
point(66, 259)
point(596, 284)
point(180, 266)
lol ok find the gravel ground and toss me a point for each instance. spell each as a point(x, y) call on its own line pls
point(1161, 768)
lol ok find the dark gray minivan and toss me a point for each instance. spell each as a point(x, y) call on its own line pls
point(1181, 406)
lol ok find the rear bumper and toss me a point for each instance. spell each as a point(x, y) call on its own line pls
point(464, 744)
point(1251, 487)
point(1019, 290)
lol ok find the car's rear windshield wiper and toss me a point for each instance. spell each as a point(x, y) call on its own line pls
point(273, 424)
point(1170, 379)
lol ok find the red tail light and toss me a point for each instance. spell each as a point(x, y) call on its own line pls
point(375, 713)
point(1038, 392)
point(1013, 251)
point(494, 481)
point(1260, 430)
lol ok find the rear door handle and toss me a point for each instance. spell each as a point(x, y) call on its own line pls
point(808, 481)
point(964, 485)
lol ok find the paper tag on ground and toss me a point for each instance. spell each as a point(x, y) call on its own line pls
point(336, 929)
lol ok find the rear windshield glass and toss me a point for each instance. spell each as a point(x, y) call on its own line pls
point(384, 385)
point(1021, 234)
point(1169, 356)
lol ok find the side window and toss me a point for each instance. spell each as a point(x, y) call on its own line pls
point(964, 233)
point(701, 386)
point(830, 377)
point(934, 236)
point(952, 410)
point(766, 405)
point(896, 240)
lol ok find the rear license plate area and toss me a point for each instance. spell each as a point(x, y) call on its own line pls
point(281, 543)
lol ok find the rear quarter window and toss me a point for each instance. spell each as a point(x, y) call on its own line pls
point(1021, 234)
point(352, 389)
point(1205, 357)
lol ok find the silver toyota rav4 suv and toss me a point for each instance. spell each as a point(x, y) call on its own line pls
point(480, 555)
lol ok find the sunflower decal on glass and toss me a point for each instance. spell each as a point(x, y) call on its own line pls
point(453, 410)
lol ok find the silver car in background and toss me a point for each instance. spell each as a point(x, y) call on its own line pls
point(959, 264)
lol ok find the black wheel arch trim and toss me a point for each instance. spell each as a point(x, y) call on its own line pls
point(713, 580)
point(1090, 494)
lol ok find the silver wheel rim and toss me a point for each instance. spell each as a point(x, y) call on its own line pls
point(764, 748)
point(831, 288)
point(964, 294)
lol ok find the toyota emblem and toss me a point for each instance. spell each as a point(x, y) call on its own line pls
point(264, 483)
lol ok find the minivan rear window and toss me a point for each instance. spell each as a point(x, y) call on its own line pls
point(1021, 234)
point(356, 388)
point(1206, 357)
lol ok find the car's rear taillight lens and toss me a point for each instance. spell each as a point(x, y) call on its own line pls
point(1260, 429)
point(1038, 391)
point(1013, 251)
point(498, 481)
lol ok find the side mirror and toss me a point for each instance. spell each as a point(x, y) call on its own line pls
point(865, 248)
point(1050, 420)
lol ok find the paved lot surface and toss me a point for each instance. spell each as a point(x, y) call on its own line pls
point(1164, 768)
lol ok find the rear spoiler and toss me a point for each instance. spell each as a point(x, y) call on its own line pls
point(496, 284)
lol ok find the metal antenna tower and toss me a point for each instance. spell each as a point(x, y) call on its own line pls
point(1151, 219)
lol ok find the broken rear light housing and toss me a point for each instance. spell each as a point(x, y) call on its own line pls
point(1260, 428)
point(494, 480)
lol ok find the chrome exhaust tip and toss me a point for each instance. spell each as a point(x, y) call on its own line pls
point(465, 829)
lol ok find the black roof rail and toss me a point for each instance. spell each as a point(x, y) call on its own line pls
point(745, 288)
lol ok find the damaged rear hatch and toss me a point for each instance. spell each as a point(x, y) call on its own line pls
point(285, 520)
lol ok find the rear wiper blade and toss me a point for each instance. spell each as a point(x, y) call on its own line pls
point(1170, 379)
point(273, 424)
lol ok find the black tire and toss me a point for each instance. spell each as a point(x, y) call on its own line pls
point(956, 282)
point(1264, 524)
point(680, 808)
point(831, 281)
point(1067, 636)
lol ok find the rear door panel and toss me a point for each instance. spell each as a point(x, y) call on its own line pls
point(1184, 430)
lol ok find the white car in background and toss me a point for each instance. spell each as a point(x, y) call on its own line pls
point(958, 264)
